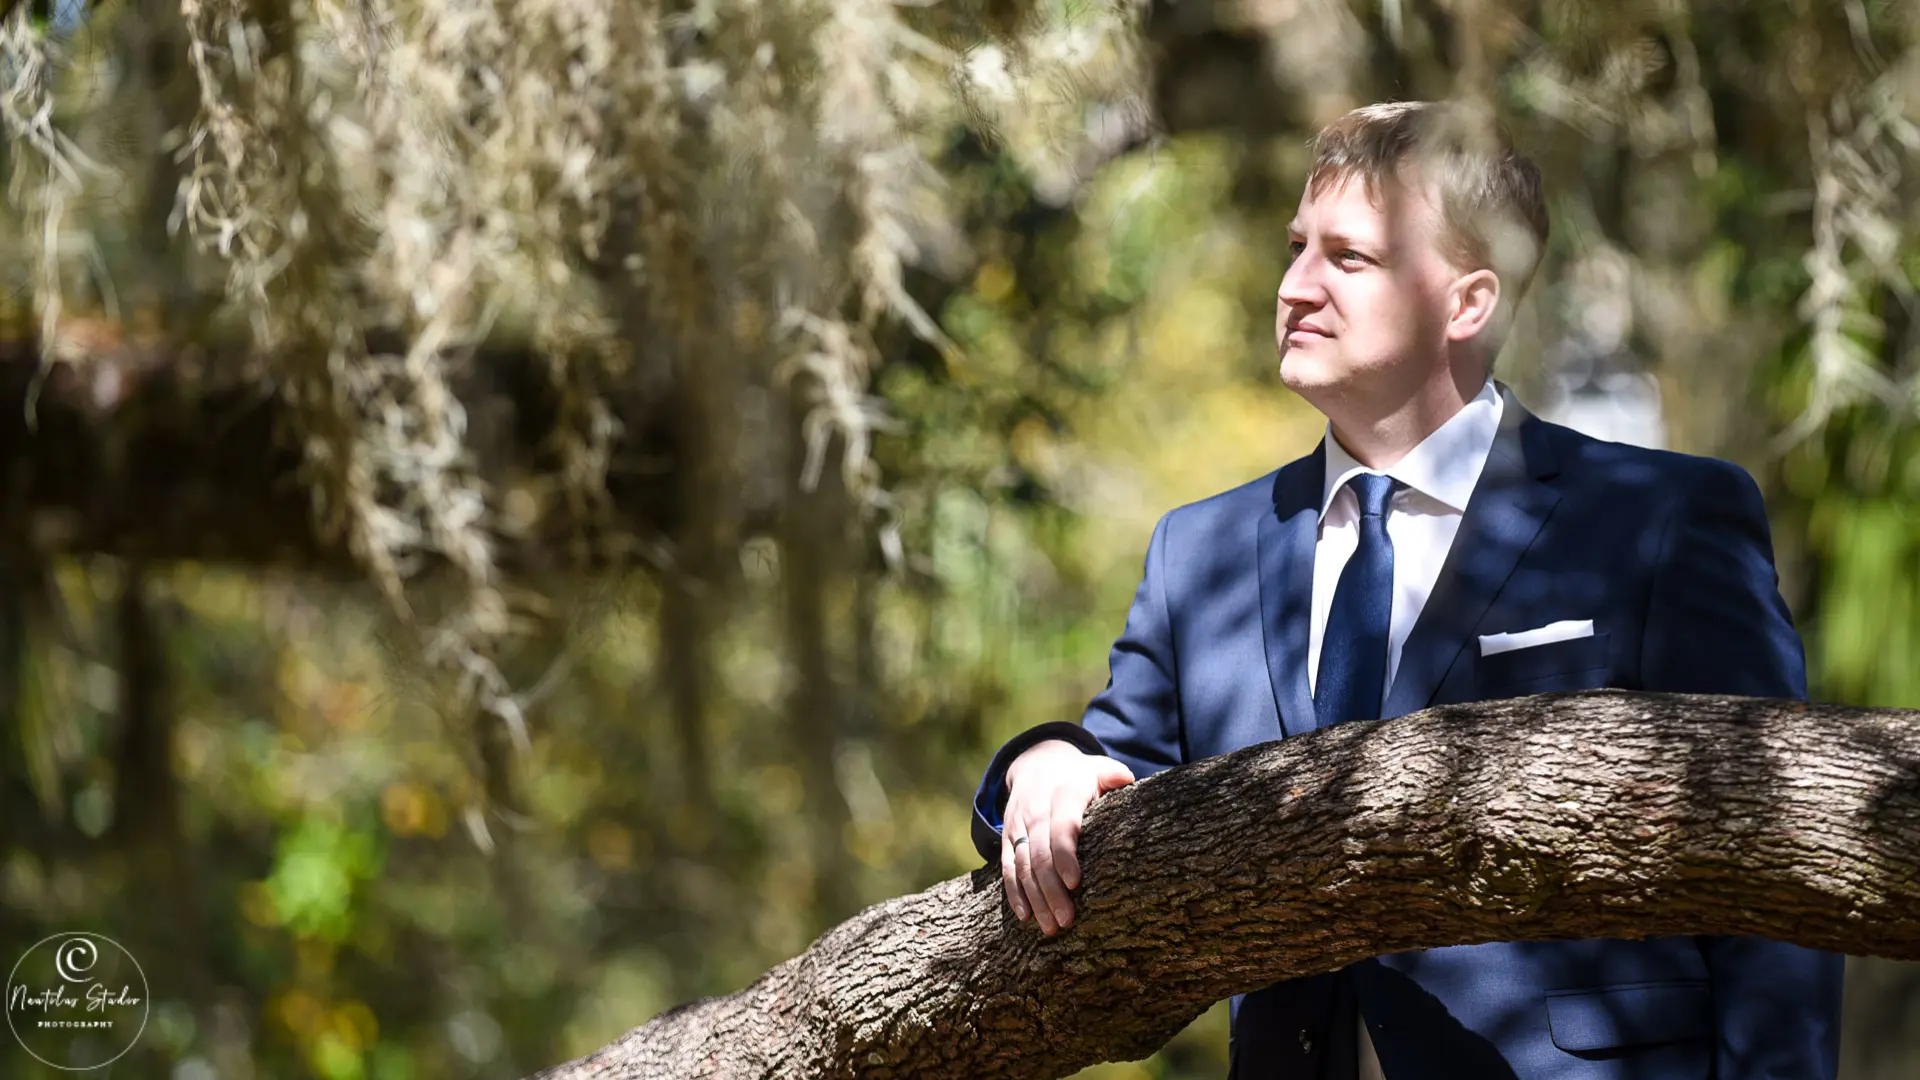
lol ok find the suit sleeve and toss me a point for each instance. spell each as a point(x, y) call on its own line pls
point(1135, 720)
point(1716, 624)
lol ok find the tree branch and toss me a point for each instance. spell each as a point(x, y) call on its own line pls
point(1604, 814)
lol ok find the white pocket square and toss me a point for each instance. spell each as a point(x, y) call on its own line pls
point(1565, 630)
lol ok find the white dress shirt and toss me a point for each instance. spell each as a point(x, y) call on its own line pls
point(1436, 478)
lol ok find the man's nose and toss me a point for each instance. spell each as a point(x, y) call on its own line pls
point(1300, 285)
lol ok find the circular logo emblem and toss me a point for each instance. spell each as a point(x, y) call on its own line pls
point(77, 1001)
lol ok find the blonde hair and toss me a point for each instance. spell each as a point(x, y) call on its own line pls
point(1492, 212)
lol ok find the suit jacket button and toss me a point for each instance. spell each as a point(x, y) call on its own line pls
point(1306, 1041)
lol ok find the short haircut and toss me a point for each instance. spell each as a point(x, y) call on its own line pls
point(1492, 212)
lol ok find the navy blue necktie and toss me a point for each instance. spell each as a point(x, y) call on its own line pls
point(1353, 648)
point(1353, 673)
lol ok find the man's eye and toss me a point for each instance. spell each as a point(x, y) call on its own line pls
point(1348, 255)
point(1295, 247)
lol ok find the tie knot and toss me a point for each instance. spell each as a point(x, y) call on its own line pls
point(1373, 491)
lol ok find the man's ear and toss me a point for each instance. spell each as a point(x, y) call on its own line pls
point(1475, 299)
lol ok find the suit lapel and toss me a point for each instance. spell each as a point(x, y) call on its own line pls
point(1508, 508)
point(1287, 538)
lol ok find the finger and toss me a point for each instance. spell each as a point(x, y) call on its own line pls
point(1023, 870)
point(1029, 887)
point(1009, 874)
point(1053, 891)
point(1112, 774)
point(1066, 851)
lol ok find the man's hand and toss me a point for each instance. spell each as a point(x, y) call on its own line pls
point(1049, 787)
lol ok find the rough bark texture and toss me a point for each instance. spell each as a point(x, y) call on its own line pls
point(1602, 814)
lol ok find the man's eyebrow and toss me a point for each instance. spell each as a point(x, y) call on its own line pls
point(1341, 239)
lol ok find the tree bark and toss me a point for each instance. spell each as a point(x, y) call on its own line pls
point(1602, 814)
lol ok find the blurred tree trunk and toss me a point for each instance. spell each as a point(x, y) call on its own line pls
point(150, 43)
point(812, 565)
point(1883, 1013)
point(149, 821)
point(22, 824)
point(146, 800)
point(1588, 815)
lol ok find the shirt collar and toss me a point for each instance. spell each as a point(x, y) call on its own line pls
point(1444, 467)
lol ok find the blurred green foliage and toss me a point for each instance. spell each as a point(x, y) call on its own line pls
point(363, 891)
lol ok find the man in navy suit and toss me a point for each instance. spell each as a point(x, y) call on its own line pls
point(1440, 545)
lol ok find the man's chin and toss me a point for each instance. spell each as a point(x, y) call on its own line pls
point(1306, 374)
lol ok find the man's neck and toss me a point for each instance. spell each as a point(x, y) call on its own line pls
point(1381, 436)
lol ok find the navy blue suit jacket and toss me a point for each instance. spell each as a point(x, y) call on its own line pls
point(1670, 556)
